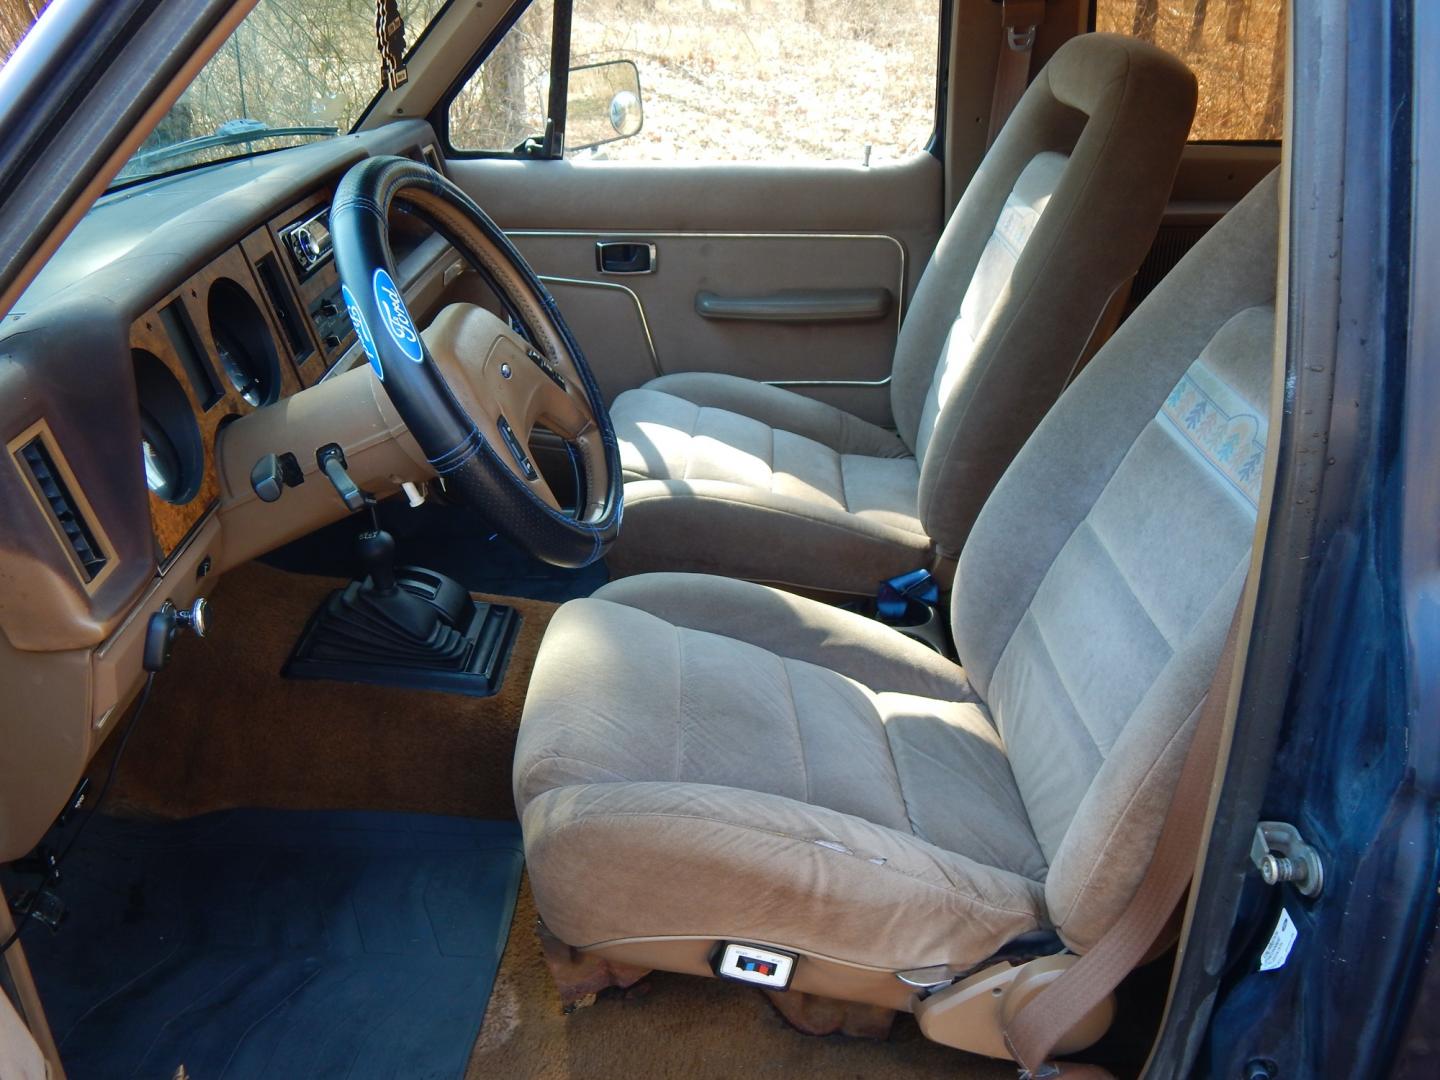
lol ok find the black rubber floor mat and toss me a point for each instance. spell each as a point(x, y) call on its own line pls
point(257, 943)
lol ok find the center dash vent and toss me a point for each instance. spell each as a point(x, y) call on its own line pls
point(55, 494)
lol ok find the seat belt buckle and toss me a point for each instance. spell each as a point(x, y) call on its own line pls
point(896, 595)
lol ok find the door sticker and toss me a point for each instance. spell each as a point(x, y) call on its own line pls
point(362, 331)
point(1282, 940)
point(395, 317)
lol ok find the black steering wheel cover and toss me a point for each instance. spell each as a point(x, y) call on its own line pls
point(440, 424)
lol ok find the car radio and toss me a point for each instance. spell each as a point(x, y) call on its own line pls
point(308, 242)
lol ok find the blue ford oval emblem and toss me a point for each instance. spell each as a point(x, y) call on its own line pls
point(395, 317)
point(362, 331)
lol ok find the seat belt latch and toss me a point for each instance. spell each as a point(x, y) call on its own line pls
point(1021, 18)
point(895, 596)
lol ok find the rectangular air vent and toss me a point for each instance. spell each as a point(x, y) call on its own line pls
point(282, 303)
point(186, 341)
point(50, 485)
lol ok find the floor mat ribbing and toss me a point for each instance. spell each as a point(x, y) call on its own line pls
point(254, 943)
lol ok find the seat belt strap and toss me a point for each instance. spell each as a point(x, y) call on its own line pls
point(1032, 1034)
point(1019, 20)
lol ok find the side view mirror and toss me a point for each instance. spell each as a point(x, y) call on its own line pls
point(603, 104)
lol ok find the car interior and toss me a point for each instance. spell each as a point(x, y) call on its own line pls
point(548, 569)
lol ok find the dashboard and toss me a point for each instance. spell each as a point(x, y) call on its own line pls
point(189, 327)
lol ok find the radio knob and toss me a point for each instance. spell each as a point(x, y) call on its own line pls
point(305, 245)
point(328, 309)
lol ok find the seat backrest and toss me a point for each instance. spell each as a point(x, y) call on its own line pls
point(1091, 602)
point(1059, 215)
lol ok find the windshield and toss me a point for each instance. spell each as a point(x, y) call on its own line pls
point(293, 71)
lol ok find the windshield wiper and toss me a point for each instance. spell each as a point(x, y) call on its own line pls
point(232, 133)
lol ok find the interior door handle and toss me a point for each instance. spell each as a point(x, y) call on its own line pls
point(624, 257)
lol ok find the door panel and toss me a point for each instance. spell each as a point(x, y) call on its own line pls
point(690, 266)
point(808, 241)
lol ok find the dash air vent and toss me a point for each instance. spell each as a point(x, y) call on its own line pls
point(55, 494)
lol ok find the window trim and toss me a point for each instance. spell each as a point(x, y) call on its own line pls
point(1090, 20)
point(936, 146)
point(439, 117)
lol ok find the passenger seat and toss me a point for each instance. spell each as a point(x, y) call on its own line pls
point(736, 477)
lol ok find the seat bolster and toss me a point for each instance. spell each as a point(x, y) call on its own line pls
point(784, 410)
point(713, 526)
point(880, 658)
point(611, 862)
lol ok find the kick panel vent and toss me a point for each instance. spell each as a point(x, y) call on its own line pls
point(55, 494)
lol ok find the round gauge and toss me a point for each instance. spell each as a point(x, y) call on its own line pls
point(170, 446)
point(163, 474)
point(242, 340)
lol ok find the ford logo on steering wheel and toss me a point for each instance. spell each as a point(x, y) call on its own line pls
point(395, 316)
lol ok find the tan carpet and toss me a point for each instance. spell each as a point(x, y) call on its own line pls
point(678, 1026)
point(223, 729)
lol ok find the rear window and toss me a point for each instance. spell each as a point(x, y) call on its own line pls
point(1236, 49)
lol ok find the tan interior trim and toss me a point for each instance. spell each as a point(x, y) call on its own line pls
point(662, 234)
point(1280, 389)
point(639, 308)
point(41, 429)
point(17, 969)
point(973, 60)
point(131, 143)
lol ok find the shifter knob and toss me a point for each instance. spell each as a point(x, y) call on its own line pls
point(376, 549)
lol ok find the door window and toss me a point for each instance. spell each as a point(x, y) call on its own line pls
point(688, 81)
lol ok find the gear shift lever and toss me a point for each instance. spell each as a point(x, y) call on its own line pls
point(376, 549)
point(405, 627)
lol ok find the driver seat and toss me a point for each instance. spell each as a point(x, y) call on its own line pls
point(706, 760)
point(734, 476)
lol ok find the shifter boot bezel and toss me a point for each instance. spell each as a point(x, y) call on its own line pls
point(428, 633)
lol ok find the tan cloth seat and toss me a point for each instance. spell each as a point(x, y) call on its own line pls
point(704, 759)
point(732, 476)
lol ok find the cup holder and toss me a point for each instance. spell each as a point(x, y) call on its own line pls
point(923, 623)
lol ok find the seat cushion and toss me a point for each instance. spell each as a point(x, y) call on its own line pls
point(702, 757)
point(728, 475)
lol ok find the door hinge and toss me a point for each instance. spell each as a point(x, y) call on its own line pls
point(1281, 854)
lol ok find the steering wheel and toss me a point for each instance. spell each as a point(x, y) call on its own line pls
point(472, 387)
